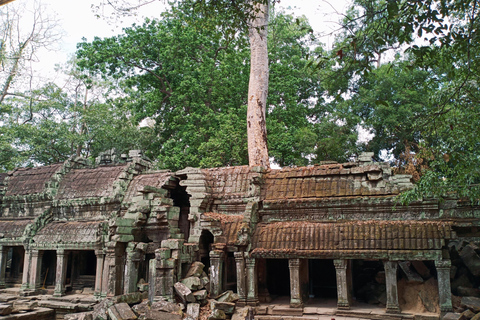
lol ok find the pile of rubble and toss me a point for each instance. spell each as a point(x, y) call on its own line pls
point(192, 303)
point(465, 280)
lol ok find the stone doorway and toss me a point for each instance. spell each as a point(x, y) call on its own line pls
point(48, 270)
point(14, 266)
point(278, 278)
point(322, 279)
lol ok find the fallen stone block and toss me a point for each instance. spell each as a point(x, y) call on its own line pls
point(227, 307)
point(196, 270)
point(466, 315)
point(166, 306)
point(183, 293)
point(161, 315)
point(451, 316)
point(193, 310)
point(472, 303)
point(142, 307)
point(227, 296)
point(5, 309)
point(100, 309)
point(78, 316)
point(25, 305)
point(200, 295)
point(421, 269)
point(471, 259)
point(121, 311)
point(476, 317)
point(193, 283)
point(205, 279)
point(131, 298)
point(217, 315)
point(412, 276)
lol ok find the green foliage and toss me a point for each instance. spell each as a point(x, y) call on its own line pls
point(190, 75)
point(425, 100)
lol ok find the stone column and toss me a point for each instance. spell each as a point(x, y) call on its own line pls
point(241, 277)
point(391, 286)
point(295, 291)
point(61, 273)
point(131, 272)
point(36, 269)
point(3, 265)
point(343, 301)
point(109, 273)
point(444, 289)
point(216, 272)
point(26, 272)
point(252, 289)
point(99, 273)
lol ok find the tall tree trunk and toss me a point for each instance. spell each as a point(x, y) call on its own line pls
point(258, 88)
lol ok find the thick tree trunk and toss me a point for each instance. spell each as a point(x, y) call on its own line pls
point(258, 89)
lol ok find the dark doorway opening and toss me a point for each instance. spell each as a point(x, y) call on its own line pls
point(369, 281)
point(14, 267)
point(323, 279)
point(181, 199)
point(49, 268)
point(206, 240)
point(230, 272)
point(278, 277)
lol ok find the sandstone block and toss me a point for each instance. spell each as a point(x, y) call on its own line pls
point(5, 309)
point(166, 306)
point(412, 276)
point(79, 316)
point(121, 311)
point(217, 315)
point(193, 310)
point(184, 293)
point(200, 295)
point(160, 315)
point(141, 307)
point(421, 268)
point(476, 317)
point(193, 283)
point(196, 270)
point(471, 259)
point(451, 316)
point(466, 315)
point(227, 296)
point(24, 305)
point(472, 303)
point(227, 307)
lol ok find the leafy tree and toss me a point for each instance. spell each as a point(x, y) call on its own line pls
point(192, 77)
point(422, 103)
point(50, 124)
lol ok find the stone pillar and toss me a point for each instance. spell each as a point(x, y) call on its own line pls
point(3, 265)
point(343, 301)
point(444, 289)
point(109, 273)
point(36, 269)
point(131, 272)
point(252, 289)
point(161, 277)
point(26, 272)
point(216, 272)
point(241, 278)
point(391, 286)
point(99, 273)
point(295, 287)
point(61, 273)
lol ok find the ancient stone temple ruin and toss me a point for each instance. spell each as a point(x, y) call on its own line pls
point(117, 227)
